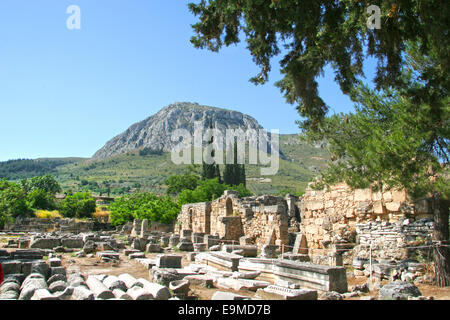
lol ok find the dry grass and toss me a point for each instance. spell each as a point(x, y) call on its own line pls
point(44, 214)
point(101, 215)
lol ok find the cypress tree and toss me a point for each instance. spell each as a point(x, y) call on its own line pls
point(210, 171)
point(242, 176)
point(234, 173)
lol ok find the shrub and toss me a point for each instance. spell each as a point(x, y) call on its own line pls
point(101, 215)
point(40, 199)
point(208, 190)
point(78, 205)
point(143, 206)
point(45, 214)
point(13, 201)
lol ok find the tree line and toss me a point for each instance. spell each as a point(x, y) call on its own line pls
point(27, 168)
point(23, 198)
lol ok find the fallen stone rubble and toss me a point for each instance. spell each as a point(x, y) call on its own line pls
point(35, 271)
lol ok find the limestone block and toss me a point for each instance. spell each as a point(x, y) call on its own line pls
point(378, 208)
point(362, 195)
point(119, 294)
point(43, 294)
point(32, 283)
point(57, 286)
point(153, 247)
point(398, 290)
point(113, 282)
point(329, 204)
point(158, 291)
point(275, 292)
point(76, 280)
point(54, 262)
point(180, 287)
point(98, 288)
point(315, 205)
point(393, 206)
point(45, 243)
point(221, 295)
point(168, 261)
point(12, 267)
point(72, 243)
point(398, 196)
point(129, 280)
point(200, 280)
point(312, 229)
point(138, 293)
point(56, 277)
point(82, 293)
point(350, 213)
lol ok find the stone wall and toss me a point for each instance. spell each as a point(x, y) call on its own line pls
point(268, 224)
point(230, 217)
point(342, 217)
point(160, 227)
point(30, 225)
point(397, 240)
point(334, 221)
point(47, 225)
point(195, 217)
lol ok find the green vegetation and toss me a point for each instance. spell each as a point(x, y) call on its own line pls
point(149, 151)
point(38, 195)
point(13, 202)
point(165, 209)
point(78, 205)
point(208, 190)
point(234, 173)
point(130, 172)
point(143, 206)
point(397, 140)
point(315, 33)
point(41, 199)
point(46, 183)
point(26, 168)
point(177, 183)
point(210, 170)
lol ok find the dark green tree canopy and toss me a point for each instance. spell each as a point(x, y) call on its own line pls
point(391, 139)
point(47, 183)
point(177, 183)
point(314, 33)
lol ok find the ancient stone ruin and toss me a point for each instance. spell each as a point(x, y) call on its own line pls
point(261, 247)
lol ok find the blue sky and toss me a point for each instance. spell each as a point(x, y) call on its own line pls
point(66, 92)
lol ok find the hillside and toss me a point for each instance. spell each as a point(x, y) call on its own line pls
point(127, 171)
point(28, 168)
point(139, 158)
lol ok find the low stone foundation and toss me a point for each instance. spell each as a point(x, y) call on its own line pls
point(63, 225)
point(307, 275)
point(392, 241)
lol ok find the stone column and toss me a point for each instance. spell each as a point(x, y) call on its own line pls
point(144, 229)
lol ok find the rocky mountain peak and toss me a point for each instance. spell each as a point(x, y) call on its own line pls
point(155, 132)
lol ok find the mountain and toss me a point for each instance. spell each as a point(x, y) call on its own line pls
point(155, 132)
point(137, 159)
point(135, 170)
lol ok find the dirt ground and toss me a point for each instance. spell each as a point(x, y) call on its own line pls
point(94, 265)
point(427, 290)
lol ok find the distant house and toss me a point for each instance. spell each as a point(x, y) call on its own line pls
point(103, 200)
point(60, 196)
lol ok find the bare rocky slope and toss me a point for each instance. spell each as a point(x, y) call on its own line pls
point(156, 131)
